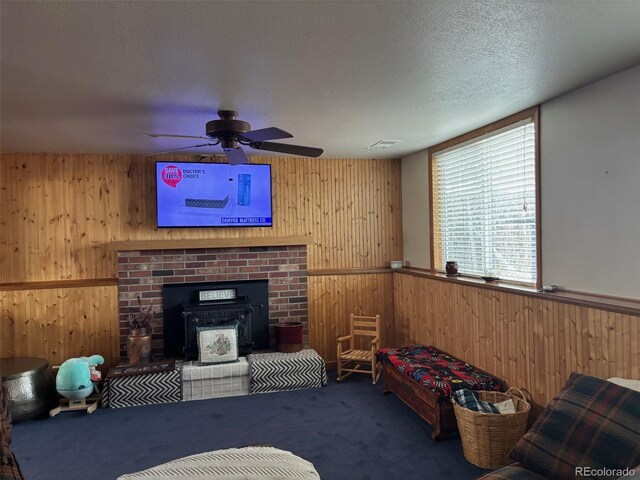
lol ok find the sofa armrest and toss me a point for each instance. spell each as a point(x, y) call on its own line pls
point(515, 471)
point(9, 468)
point(632, 475)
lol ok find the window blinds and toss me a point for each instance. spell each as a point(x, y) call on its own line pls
point(484, 201)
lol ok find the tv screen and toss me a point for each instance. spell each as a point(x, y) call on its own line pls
point(213, 195)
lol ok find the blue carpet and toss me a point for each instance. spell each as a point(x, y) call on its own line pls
point(349, 431)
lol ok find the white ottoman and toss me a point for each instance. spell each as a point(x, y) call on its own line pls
point(249, 463)
point(215, 381)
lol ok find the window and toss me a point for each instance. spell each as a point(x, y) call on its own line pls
point(484, 200)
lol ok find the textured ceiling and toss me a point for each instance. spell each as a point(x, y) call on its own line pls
point(90, 76)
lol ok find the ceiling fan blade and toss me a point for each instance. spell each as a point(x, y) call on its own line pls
point(236, 156)
point(286, 148)
point(182, 148)
point(271, 133)
point(157, 135)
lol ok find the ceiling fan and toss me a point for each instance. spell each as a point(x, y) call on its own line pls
point(231, 134)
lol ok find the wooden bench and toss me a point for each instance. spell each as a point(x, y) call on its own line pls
point(429, 378)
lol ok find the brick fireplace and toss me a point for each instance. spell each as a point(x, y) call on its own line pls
point(142, 273)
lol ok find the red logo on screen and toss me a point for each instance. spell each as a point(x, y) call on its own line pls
point(171, 175)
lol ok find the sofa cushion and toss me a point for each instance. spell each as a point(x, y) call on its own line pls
point(515, 471)
point(591, 424)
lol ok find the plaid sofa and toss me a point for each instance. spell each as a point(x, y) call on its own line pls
point(590, 430)
point(9, 468)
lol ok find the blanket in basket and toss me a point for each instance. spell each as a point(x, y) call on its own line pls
point(438, 371)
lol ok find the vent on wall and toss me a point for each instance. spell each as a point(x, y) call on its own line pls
point(383, 144)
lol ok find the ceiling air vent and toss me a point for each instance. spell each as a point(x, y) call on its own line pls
point(383, 144)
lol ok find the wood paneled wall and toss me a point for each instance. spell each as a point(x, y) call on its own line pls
point(333, 297)
point(59, 323)
point(60, 212)
point(532, 343)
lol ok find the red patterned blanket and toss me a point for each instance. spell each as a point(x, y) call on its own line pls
point(438, 371)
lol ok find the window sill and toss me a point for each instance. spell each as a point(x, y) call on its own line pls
point(581, 299)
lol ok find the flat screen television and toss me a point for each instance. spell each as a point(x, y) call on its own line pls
point(213, 195)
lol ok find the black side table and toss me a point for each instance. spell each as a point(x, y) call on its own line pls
point(30, 386)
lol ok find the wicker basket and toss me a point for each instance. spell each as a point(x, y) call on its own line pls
point(487, 438)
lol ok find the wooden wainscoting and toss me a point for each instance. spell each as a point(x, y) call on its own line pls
point(532, 343)
point(60, 323)
point(333, 297)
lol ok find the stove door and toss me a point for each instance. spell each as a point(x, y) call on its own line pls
point(217, 315)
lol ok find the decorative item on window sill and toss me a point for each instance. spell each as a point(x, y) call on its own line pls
point(549, 288)
point(139, 338)
point(452, 268)
point(488, 278)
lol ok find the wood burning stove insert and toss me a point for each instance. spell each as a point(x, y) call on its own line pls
point(187, 306)
point(217, 313)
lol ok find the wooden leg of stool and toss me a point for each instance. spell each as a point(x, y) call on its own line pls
point(92, 408)
point(54, 411)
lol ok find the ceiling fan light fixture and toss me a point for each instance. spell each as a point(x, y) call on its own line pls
point(228, 143)
point(230, 133)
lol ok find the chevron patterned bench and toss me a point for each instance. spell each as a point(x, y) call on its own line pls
point(279, 372)
point(266, 372)
point(130, 390)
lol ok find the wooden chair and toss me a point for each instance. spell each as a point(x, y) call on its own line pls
point(353, 360)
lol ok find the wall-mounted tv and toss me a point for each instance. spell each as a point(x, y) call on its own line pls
point(213, 195)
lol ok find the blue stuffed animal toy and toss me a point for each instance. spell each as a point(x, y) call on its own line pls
point(74, 379)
